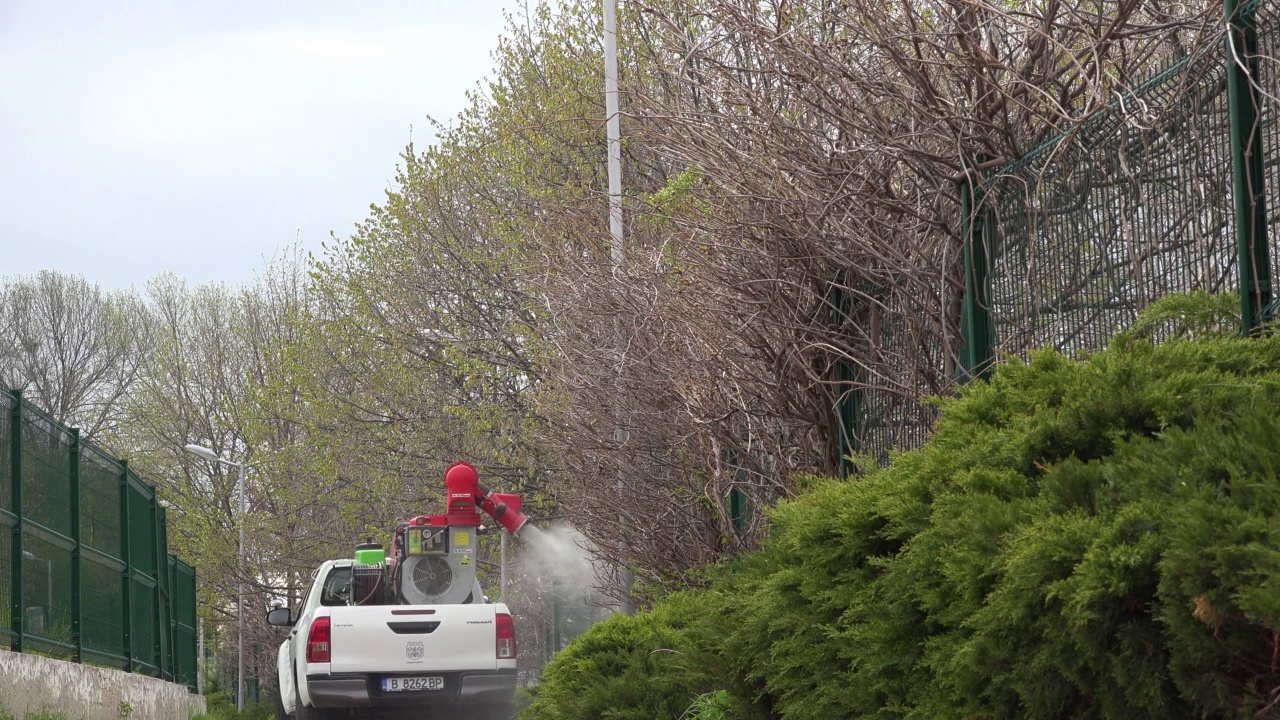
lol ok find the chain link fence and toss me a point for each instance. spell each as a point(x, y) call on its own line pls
point(85, 572)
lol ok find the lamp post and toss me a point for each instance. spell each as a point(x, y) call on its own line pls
point(211, 456)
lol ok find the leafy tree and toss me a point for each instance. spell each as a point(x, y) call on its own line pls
point(212, 348)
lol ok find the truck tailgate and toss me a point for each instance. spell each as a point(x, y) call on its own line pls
point(408, 638)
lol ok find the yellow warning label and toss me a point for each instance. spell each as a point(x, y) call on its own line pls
point(461, 537)
point(466, 560)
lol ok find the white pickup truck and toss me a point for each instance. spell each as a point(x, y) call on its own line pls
point(454, 661)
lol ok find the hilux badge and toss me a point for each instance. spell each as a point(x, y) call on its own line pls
point(414, 651)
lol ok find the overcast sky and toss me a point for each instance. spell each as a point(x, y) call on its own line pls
point(198, 136)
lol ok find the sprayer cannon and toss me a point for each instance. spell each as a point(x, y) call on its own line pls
point(466, 493)
point(434, 556)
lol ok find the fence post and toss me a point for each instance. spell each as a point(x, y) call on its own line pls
point(171, 583)
point(848, 397)
point(738, 509)
point(1248, 179)
point(127, 577)
point(975, 312)
point(739, 506)
point(16, 559)
point(157, 594)
point(76, 603)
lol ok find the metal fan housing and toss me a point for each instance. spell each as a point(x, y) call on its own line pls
point(443, 576)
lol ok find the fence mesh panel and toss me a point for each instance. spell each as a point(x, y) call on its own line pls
point(6, 518)
point(102, 608)
point(142, 548)
point(100, 501)
point(46, 472)
point(6, 452)
point(46, 594)
point(184, 612)
point(1090, 228)
point(891, 415)
point(1268, 16)
point(54, 465)
point(142, 613)
point(6, 587)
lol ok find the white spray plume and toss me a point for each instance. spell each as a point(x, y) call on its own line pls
point(558, 553)
point(558, 585)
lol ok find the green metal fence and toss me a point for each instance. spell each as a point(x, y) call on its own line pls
point(85, 572)
point(1173, 188)
point(876, 413)
point(1164, 192)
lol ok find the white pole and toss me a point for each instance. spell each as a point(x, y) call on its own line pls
point(613, 127)
point(240, 599)
point(502, 572)
point(200, 661)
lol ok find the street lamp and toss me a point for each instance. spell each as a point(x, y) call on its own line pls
point(211, 456)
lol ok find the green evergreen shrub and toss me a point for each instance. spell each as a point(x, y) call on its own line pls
point(1096, 539)
point(652, 666)
point(1078, 540)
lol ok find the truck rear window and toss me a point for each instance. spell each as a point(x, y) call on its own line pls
point(335, 591)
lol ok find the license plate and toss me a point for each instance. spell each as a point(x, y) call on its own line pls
point(401, 684)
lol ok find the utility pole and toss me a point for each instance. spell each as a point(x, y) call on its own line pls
point(613, 126)
point(211, 456)
point(240, 599)
point(502, 570)
point(200, 660)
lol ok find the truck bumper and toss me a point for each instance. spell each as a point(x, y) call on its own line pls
point(361, 690)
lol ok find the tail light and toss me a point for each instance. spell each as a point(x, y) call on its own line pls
point(506, 637)
point(318, 641)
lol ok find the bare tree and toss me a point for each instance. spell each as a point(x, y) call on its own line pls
point(71, 347)
point(794, 250)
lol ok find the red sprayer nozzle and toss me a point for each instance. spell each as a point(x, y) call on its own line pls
point(506, 510)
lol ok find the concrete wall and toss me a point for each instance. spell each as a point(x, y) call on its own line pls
point(85, 692)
